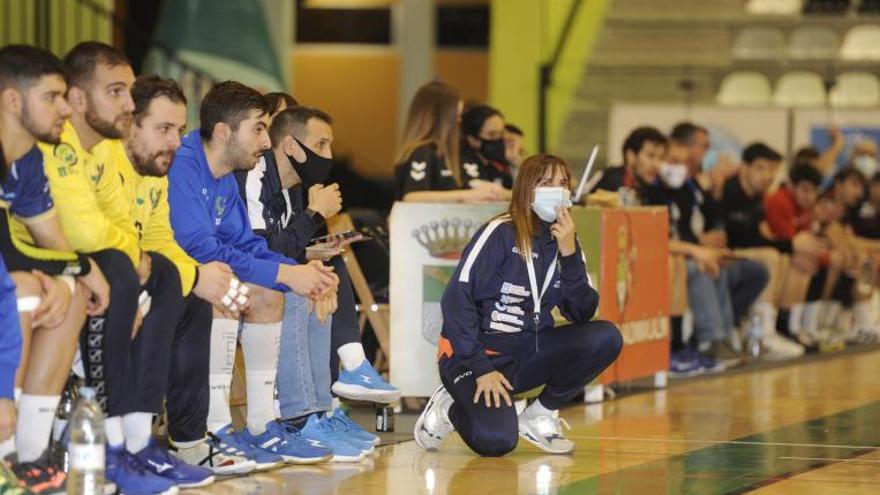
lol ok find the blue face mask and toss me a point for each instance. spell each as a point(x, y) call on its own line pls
point(710, 160)
point(547, 199)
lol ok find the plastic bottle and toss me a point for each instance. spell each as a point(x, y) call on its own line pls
point(756, 330)
point(86, 450)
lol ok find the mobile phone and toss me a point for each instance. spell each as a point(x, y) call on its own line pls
point(342, 236)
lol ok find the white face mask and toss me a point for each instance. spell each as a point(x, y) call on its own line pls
point(547, 199)
point(673, 175)
point(867, 165)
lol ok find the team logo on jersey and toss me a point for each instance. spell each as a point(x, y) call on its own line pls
point(445, 239)
point(99, 172)
point(155, 196)
point(65, 153)
point(219, 209)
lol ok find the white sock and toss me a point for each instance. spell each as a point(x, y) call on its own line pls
point(768, 313)
point(538, 409)
point(260, 342)
point(113, 427)
point(187, 445)
point(35, 416)
point(795, 318)
point(351, 355)
point(138, 429)
point(8, 446)
point(224, 334)
point(863, 317)
point(335, 404)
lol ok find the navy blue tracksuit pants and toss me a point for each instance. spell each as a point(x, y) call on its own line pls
point(568, 358)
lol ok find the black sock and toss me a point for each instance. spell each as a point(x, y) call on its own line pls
point(676, 342)
point(300, 421)
point(782, 322)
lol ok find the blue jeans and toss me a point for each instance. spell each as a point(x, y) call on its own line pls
point(719, 303)
point(303, 372)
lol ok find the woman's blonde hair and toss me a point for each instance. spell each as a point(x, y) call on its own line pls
point(530, 173)
point(433, 119)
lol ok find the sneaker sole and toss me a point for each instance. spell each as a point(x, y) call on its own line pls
point(421, 421)
point(347, 458)
point(171, 491)
point(198, 484)
point(361, 393)
point(303, 461)
point(527, 437)
point(269, 466)
point(241, 468)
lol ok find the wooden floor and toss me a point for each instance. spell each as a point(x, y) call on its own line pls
point(811, 428)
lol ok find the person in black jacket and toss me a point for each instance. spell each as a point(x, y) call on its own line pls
point(288, 204)
point(499, 336)
point(643, 152)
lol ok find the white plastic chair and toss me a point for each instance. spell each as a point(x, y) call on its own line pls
point(745, 88)
point(759, 43)
point(856, 89)
point(861, 43)
point(813, 43)
point(774, 7)
point(799, 89)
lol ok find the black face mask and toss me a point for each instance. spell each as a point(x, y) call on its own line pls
point(493, 149)
point(314, 170)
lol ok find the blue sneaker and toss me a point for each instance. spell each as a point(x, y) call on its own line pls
point(161, 463)
point(366, 446)
point(366, 384)
point(709, 364)
point(318, 430)
point(683, 364)
point(264, 459)
point(132, 478)
point(289, 444)
point(340, 421)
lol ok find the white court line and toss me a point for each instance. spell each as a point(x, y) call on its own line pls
point(732, 442)
point(832, 459)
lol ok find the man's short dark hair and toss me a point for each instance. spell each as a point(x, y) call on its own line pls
point(805, 156)
point(684, 132)
point(641, 135)
point(82, 60)
point(292, 122)
point(759, 151)
point(849, 173)
point(513, 130)
point(229, 102)
point(148, 88)
point(473, 118)
point(275, 98)
point(804, 173)
point(22, 66)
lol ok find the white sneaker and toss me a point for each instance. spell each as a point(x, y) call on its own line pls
point(864, 335)
point(777, 347)
point(545, 432)
point(433, 424)
point(217, 456)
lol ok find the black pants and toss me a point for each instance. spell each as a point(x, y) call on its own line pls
point(344, 325)
point(151, 349)
point(187, 400)
point(569, 357)
point(842, 291)
point(105, 341)
point(130, 375)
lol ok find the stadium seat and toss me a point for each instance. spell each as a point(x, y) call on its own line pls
point(759, 43)
point(813, 43)
point(745, 88)
point(856, 89)
point(826, 7)
point(861, 43)
point(773, 7)
point(799, 89)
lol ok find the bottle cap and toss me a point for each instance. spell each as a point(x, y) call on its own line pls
point(87, 393)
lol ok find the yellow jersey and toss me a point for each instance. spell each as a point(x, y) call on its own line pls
point(148, 200)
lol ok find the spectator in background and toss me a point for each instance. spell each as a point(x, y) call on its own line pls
point(428, 167)
point(643, 152)
point(693, 140)
point(278, 102)
point(864, 155)
point(483, 151)
point(513, 147)
point(744, 223)
point(823, 161)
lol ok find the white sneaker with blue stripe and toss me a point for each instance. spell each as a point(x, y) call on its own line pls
point(366, 384)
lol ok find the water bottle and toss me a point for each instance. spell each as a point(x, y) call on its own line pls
point(756, 330)
point(86, 449)
point(60, 434)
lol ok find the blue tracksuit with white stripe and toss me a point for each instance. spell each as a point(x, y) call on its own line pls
point(489, 325)
point(210, 219)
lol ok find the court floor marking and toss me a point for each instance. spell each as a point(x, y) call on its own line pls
point(750, 462)
point(833, 459)
point(716, 442)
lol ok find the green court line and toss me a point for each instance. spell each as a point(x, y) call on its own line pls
point(728, 468)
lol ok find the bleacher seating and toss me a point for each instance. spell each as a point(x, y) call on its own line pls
point(745, 88)
point(799, 89)
point(856, 89)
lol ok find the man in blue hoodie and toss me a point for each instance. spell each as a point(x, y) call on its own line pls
point(210, 223)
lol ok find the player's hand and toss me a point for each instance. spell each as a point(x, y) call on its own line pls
point(493, 386)
point(54, 303)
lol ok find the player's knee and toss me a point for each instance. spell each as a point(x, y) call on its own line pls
point(496, 443)
point(26, 285)
point(266, 305)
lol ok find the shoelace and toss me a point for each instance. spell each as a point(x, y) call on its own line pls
point(132, 463)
